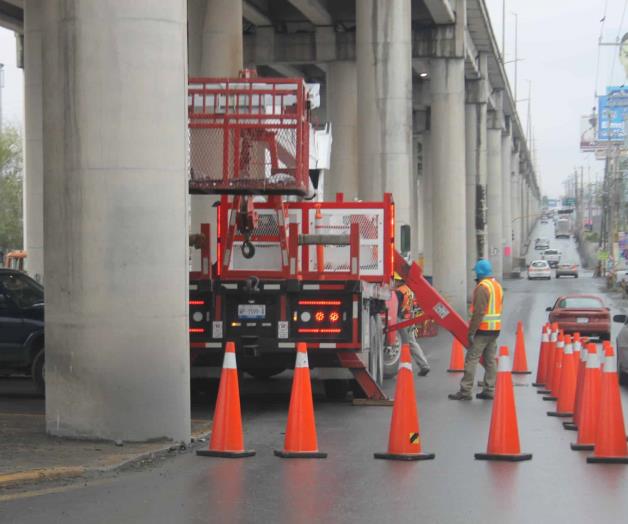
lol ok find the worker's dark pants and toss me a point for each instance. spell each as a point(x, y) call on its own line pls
point(483, 346)
point(408, 337)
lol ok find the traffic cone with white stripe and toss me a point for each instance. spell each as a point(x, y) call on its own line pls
point(549, 360)
point(540, 367)
point(582, 362)
point(227, 439)
point(589, 410)
point(567, 388)
point(456, 361)
point(610, 439)
point(556, 367)
point(520, 360)
point(300, 440)
point(404, 439)
point(503, 437)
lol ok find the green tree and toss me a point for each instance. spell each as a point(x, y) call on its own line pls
point(10, 189)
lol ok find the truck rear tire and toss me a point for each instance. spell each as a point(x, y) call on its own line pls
point(392, 354)
point(336, 389)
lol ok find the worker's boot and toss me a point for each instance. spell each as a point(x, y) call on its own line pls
point(485, 395)
point(459, 396)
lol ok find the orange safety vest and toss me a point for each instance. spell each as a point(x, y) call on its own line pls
point(492, 320)
point(406, 303)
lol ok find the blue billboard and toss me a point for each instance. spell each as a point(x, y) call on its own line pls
point(612, 111)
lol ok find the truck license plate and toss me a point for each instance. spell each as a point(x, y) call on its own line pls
point(582, 320)
point(251, 311)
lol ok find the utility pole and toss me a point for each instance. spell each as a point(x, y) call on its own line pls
point(504, 32)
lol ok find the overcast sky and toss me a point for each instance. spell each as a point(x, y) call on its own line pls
point(558, 44)
point(558, 41)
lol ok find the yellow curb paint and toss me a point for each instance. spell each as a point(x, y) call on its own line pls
point(7, 479)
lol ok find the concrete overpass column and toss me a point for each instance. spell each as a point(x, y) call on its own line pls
point(495, 197)
point(342, 107)
point(526, 211)
point(426, 196)
point(215, 49)
point(115, 199)
point(384, 52)
point(506, 203)
point(448, 189)
point(514, 199)
point(471, 158)
point(33, 188)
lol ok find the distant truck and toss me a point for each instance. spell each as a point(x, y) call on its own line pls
point(562, 229)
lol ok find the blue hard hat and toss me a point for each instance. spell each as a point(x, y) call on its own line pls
point(483, 268)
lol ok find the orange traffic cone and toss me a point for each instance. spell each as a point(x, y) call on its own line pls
point(404, 440)
point(503, 437)
point(549, 360)
point(520, 362)
point(590, 404)
point(567, 391)
point(582, 362)
point(610, 439)
point(227, 439)
point(300, 441)
point(557, 366)
point(540, 367)
point(456, 361)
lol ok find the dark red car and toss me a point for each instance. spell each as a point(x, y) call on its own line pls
point(584, 314)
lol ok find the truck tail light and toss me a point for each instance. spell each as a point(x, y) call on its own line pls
point(197, 302)
point(196, 330)
point(320, 330)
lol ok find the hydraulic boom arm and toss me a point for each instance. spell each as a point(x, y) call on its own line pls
point(430, 300)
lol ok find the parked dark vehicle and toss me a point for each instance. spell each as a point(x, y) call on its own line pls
point(584, 314)
point(21, 326)
point(622, 349)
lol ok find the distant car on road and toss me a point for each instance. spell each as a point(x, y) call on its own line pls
point(584, 314)
point(567, 269)
point(539, 269)
point(622, 349)
point(21, 326)
point(541, 244)
point(552, 256)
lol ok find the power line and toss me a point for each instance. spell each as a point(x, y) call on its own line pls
point(621, 23)
point(599, 41)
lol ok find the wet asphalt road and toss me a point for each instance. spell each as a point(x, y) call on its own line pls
point(350, 486)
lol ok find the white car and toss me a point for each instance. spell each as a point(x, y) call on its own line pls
point(539, 269)
point(552, 256)
point(541, 244)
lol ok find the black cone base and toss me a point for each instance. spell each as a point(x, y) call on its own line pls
point(550, 398)
point(455, 371)
point(538, 385)
point(405, 457)
point(607, 460)
point(521, 372)
point(300, 454)
point(225, 454)
point(559, 414)
point(508, 458)
point(582, 447)
point(543, 392)
point(571, 426)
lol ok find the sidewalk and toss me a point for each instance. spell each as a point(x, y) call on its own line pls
point(27, 454)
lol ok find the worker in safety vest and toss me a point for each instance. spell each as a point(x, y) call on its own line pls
point(484, 328)
point(405, 299)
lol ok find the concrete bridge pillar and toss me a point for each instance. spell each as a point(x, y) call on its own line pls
point(514, 199)
point(342, 108)
point(33, 190)
point(495, 196)
point(448, 181)
point(506, 204)
point(114, 128)
point(471, 157)
point(384, 52)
